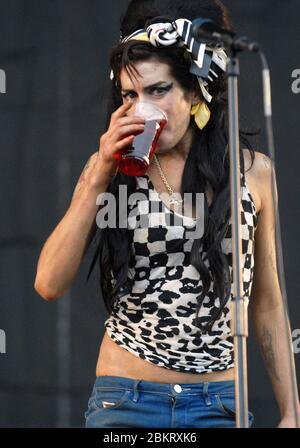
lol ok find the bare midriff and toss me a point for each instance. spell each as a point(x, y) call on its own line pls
point(115, 360)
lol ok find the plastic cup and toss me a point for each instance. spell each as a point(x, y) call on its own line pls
point(135, 160)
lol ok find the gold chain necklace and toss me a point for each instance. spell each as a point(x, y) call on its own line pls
point(173, 200)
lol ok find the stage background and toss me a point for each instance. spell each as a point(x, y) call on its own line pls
point(55, 56)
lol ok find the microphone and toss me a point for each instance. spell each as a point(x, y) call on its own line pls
point(202, 27)
point(207, 31)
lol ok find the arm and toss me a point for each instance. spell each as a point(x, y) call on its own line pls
point(266, 305)
point(63, 251)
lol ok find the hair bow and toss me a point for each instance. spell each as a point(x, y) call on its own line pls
point(207, 64)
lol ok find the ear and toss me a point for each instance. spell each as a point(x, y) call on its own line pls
point(196, 97)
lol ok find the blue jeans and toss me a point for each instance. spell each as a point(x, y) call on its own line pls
point(118, 402)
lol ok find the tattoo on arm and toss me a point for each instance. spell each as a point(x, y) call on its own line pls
point(83, 176)
point(266, 162)
point(268, 353)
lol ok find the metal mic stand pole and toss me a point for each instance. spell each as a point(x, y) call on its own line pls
point(239, 305)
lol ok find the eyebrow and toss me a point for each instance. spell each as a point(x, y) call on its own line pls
point(147, 87)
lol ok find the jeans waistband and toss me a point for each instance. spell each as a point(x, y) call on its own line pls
point(205, 387)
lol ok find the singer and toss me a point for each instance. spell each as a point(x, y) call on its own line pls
point(166, 359)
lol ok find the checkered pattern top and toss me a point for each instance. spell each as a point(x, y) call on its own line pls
point(156, 320)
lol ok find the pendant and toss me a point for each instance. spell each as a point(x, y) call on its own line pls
point(173, 200)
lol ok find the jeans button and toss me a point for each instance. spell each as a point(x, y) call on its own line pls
point(178, 388)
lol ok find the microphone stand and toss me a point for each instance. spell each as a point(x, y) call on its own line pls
point(239, 304)
point(206, 31)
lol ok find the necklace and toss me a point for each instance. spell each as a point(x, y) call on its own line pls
point(173, 197)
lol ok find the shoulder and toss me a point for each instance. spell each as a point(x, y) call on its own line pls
point(262, 163)
point(258, 176)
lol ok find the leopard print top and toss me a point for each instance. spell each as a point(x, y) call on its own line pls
point(156, 321)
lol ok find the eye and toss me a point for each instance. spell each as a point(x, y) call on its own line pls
point(157, 91)
point(160, 90)
point(128, 95)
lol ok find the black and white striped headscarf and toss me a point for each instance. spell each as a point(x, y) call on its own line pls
point(208, 63)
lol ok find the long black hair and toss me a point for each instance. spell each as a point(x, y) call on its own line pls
point(207, 163)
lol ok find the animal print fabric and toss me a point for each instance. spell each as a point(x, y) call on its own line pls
point(156, 321)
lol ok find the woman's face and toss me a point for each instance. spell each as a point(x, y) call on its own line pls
point(156, 85)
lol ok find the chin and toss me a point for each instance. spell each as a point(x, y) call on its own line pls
point(164, 146)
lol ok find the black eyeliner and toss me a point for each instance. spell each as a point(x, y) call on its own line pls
point(169, 87)
point(166, 88)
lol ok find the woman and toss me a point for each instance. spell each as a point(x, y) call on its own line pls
point(166, 359)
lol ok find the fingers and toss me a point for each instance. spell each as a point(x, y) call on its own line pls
point(121, 112)
point(130, 120)
point(123, 143)
point(134, 129)
point(121, 132)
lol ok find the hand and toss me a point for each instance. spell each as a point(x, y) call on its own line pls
point(120, 134)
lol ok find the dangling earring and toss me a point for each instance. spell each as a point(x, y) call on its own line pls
point(202, 114)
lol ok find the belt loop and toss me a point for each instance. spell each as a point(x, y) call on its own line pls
point(206, 394)
point(136, 392)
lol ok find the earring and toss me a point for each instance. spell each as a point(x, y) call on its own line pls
point(202, 114)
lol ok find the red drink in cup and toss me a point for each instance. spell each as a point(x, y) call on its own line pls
point(135, 160)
